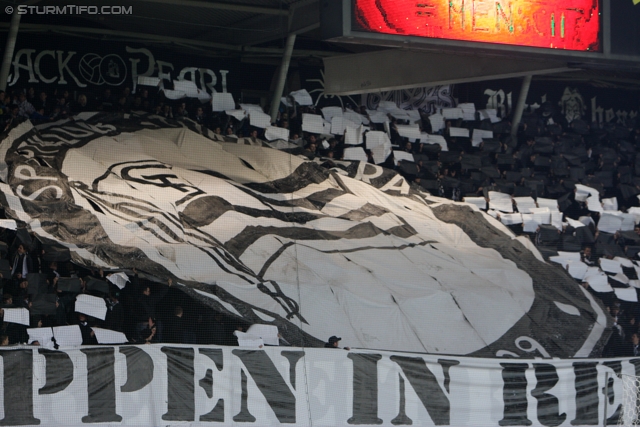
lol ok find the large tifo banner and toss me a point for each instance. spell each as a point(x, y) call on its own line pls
point(208, 386)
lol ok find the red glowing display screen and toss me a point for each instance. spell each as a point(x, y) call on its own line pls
point(556, 24)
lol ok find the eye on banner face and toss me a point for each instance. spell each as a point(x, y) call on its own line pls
point(555, 24)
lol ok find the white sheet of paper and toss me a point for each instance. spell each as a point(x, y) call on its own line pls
point(354, 117)
point(452, 113)
point(222, 101)
point(437, 122)
point(620, 277)
point(268, 333)
point(375, 138)
point(511, 219)
point(468, 111)
point(340, 123)
point(409, 131)
point(353, 136)
point(9, 224)
point(355, 153)
point(489, 113)
point(626, 294)
point(459, 132)
point(174, 94)
point(571, 256)
point(415, 115)
point(625, 262)
point(273, 133)
point(312, 123)
point(577, 269)
point(525, 204)
point(403, 155)
point(148, 81)
point(186, 86)
point(251, 107)
point(248, 340)
point(259, 119)
point(302, 97)
point(92, 306)
point(42, 335)
point(68, 336)
point(610, 204)
point(17, 315)
point(119, 279)
point(586, 220)
point(594, 205)
point(541, 215)
point(236, 114)
point(574, 223)
point(377, 116)
point(529, 224)
point(107, 336)
point(502, 205)
point(552, 204)
point(478, 135)
point(598, 282)
point(609, 223)
point(582, 192)
point(628, 221)
point(610, 266)
point(440, 140)
point(480, 202)
point(381, 152)
point(556, 219)
point(330, 112)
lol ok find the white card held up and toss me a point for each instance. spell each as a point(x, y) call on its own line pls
point(353, 136)
point(468, 111)
point(248, 340)
point(452, 113)
point(437, 122)
point(502, 205)
point(577, 269)
point(9, 224)
point(610, 266)
point(355, 153)
point(148, 81)
point(354, 117)
point(302, 97)
point(594, 205)
point(582, 192)
point(222, 101)
point(610, 204)
point(626, 294)
point(480, 202)
point(597, 280)
point(400, 155)
point(409, 131)
point(43, 336)
point(174, 94)
point(478, 135)
point(380, 153)
point(268, 333)
point(340, 123)
point(187, 86)
point(491, 114)
point(459, 132)
point(529, 224)
point(573, 223)
point(17, 315)
point(609, 223)
point(107, 336)
point(552, 204)
point(511, 219)
point(273, 133)
point(236, 114)
point(377, 116)
point(91, 306)
point(525, 204)
point(312, 123)
point(375, 138)
point(119, 279)
point(68, 336)
point(259, 119)
point(251, 107)
point(556, 219)
point(625, 262)
point(331, 112)
point(438, 139)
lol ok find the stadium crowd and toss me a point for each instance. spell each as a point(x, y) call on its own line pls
point(549, 159)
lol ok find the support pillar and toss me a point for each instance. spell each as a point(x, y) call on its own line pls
point(282, 78)
point(522, 99)
point(9, 47)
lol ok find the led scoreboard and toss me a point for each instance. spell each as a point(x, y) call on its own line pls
point(557, 24)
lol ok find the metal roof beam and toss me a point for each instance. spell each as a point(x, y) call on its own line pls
point(223, 6)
